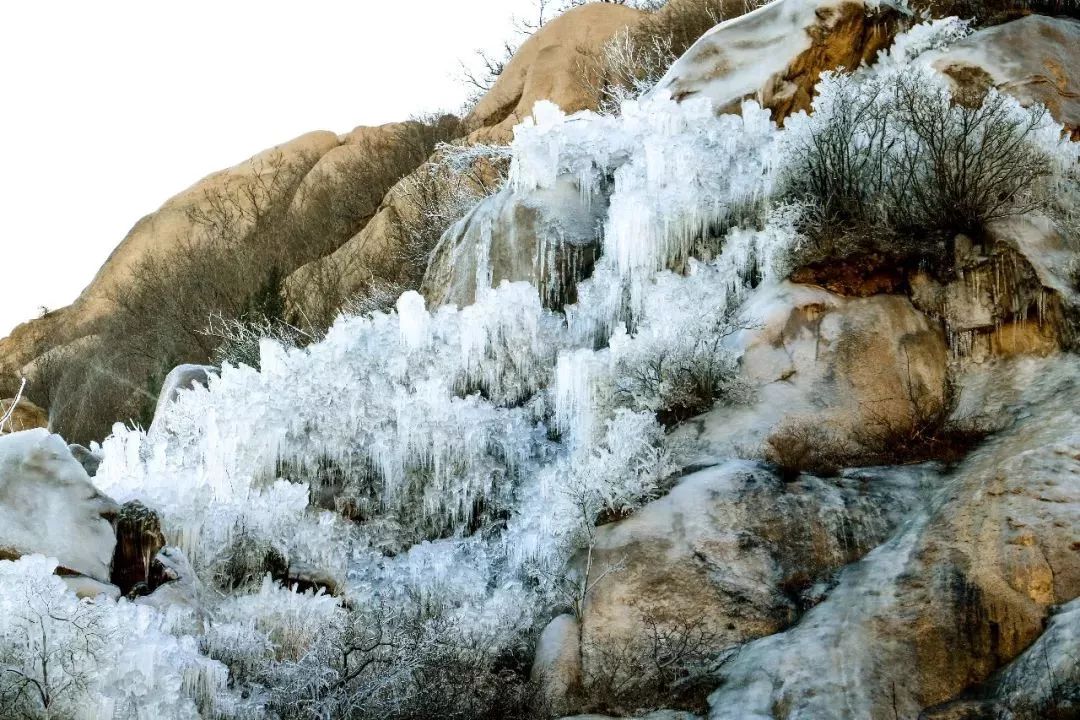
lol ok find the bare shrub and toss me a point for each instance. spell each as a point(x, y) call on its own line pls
point(901, 166)
point(440, 193)
point(928, 429)
point(667, 663)
point(802, 446)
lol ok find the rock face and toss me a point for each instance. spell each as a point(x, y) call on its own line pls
point(963, 587)
point(1033, 58)
point(25, 416)
point(548, 238)
point(49, 506)
point(282, 176)
point(548, 67)
point(846, 365)
point(732, 553)
point(776, 53)
point(138, 541)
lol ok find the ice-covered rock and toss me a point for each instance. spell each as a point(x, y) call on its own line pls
point(557, 663)
point(49, 506)
point(963, 586)
point(776, 53)
point(549, 237)
point(1033, 58)
point(733, 553)
point(180, 378)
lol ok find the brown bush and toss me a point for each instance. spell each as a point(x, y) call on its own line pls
point(799, 446)
point(247, 237)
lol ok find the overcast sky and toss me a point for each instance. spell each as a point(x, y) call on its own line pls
point(108, 108)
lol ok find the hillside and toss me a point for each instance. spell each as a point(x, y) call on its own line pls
point(739, 380)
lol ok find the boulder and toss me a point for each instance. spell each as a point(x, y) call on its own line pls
point(25, 416)
point(138, 541)
point(49, 506)
point(547, 237)
point(89, 459)
point(547, 66)
point(556, 669)
point(732, 553)
point(180, 378)
point(776, 53)
point(845, 365)
point(1033, 58)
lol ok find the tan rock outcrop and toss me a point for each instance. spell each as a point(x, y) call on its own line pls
point(963, 588)
point(732, 553)
point(548, 66)
point(25, 416)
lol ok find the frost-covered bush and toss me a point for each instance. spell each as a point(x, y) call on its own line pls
point(681, 374)
point(894, 162)
point(65, 657)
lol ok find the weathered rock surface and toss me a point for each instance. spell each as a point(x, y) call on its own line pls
point(963, 587)
point(776, 53)
point(732, 553)
point(838, 363)
point(557, 663)
point(548, 238)
point(89, 459)
point(138, 541)
point(25, 416)
point(179, 379)
point(49, 506)
point(548, 67)
point(1033, 58)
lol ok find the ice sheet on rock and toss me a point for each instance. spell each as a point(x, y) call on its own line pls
point(49, 505)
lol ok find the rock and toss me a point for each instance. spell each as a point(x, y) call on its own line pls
point(180, 378)
point(547, 66)
point(1033, 58)
point(548, 238)
point(961, 589)
point(178, 586)
point(1009, 295)
point(25, 416)
point(776, 53)
point(49, 506)
point(846, 365)
point(730, 554)
point(88, 588)
point(556, 666)
point(89, 459)
point(138, 541)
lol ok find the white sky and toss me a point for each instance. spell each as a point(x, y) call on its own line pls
point(108, 108)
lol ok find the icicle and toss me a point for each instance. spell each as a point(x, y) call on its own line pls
point(413, 319)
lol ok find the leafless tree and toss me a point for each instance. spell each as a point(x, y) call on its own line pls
point(50, 660)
